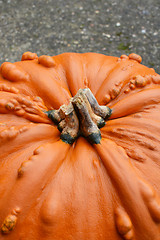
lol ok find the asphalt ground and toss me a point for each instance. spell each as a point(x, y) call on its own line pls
point(51, 27)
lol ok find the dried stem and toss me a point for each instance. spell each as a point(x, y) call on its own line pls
point(82, 116)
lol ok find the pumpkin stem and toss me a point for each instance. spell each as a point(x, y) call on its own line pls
point(83, 116)
point(69, 125)
point(103, 111)
point(54, 116)
point(87, 118)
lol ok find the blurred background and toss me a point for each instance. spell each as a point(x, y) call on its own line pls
point(51, 27)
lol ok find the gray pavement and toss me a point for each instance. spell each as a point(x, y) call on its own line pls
point(51, 27)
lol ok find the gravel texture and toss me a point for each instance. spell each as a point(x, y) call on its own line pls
point(51, 27)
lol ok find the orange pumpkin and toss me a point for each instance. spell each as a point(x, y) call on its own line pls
point(97, 176)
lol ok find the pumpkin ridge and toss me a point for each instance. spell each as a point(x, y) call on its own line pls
point(105, 59)
point(74, 164)
point(31, 168)
point(67, 82)
point(135, 84)
point(45, 84)
point(74, 78)
point(6, 88)
point(135, 136)
point(60, 77)
point(131, 148)
point(124, 76)
point(127, 189)
point(22, 106)
point(30, 133)
point(129, 106)
point(116, 65)
point(143, 144)
point(136, 120)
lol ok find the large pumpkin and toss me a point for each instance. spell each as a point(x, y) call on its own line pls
point(79, 182)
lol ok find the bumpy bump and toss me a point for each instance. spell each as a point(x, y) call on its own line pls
point(86, 82)
point(13, 73)
point(9, 134)
point(37, 150)
point(29, 56)
point(25, 101)
point(132, 81)
point(152, 200)
point(16, 211)
point(132, 86)
point(124, 57)
point(115, 92)
point(123, 224)
point(51, 210)
point(140, 81)
point(37, 99)
point(23, 167)
point(9, 106)
point(136, 57)
point(46, 61)
point(15, 102)
point(24, 106)
point(23, 129)
point(136, 154)
point(106, 99)
point(5, 88)
point(19, 112)
point(39, 102)
point(148, 78)
point(127, 90)
point(156, 79)
point(14, 90)
point(9, 224)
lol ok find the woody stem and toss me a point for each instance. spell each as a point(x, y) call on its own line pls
point(83, 116)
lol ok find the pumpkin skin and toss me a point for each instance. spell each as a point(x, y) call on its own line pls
point(53, 190)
